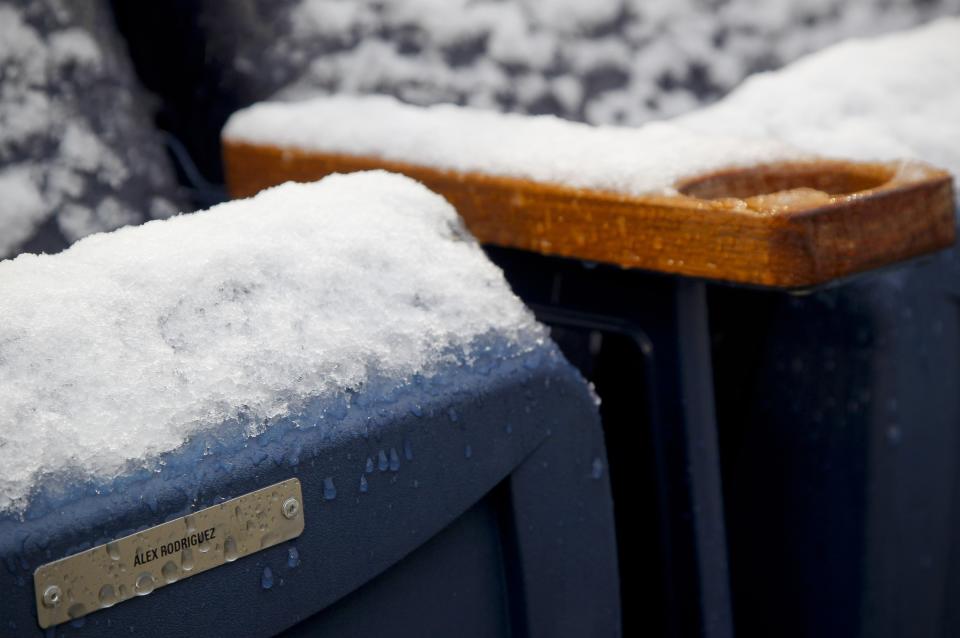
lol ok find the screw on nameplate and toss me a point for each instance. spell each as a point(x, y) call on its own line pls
point(51, 596)
point(291, 507)
point(139, 564)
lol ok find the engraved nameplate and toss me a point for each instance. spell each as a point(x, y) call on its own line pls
point(138, 564)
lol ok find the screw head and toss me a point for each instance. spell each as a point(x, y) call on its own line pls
point(291, 507)
point(52, 596)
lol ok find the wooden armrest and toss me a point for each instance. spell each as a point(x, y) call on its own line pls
point(784, 225)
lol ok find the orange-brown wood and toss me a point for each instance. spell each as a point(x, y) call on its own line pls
point(788, 225)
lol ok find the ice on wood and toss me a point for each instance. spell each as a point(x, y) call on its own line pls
point(128, 343)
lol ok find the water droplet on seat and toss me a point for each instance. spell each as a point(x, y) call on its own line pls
point(596, 469)
point(186, 560)
point(329, 489)
point(266, 578)
point(107, 596)
point(170, 572)
point(144, 584)
point(230, 552)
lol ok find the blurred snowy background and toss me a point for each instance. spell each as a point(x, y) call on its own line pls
point(110, 113)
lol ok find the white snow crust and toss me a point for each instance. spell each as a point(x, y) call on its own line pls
point(891, 97)
point(129, 342)
point(541, 148)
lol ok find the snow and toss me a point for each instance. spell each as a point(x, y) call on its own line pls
point(325, 17)
point(541, 148)
point(568, 16)
point(127, 344)
point(890, 97)
point(632, 61)
point(887, 98)
point(21, 207)
point(63, 156)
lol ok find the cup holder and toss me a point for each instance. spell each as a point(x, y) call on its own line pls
point(791, 185)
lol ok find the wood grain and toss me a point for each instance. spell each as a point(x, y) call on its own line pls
point(789, 225)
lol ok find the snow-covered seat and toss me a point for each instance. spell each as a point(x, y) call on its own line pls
point(891, 99)
point(347, 334)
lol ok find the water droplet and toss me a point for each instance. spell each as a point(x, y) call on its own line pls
point(170, 572)
point(191, 524)
point(394, 460)
point(293, 557)
point(144, 584)
point(76, 610)
point(186, 560)
point(416, 410)
point(407, 450)
point(382, 462)
point(329, 489)
point(596, 470)
point(363, 484)
point(453, 416)
point(467, 451)
point(107, 596)
point(266, 578)
point(230, 553)
point(369, 466)
point(508, 428)
point(113, 550)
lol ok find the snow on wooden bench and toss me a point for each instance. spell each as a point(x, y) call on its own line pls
point(761, 205)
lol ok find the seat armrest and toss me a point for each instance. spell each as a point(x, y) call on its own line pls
point(786, 224)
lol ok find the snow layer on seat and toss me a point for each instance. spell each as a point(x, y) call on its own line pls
point(891, 97)
point(128, 343)
point(544, 148)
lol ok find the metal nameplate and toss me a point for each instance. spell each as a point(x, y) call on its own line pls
point(141, 563)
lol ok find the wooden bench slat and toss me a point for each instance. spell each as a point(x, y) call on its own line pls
point(845, 218)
